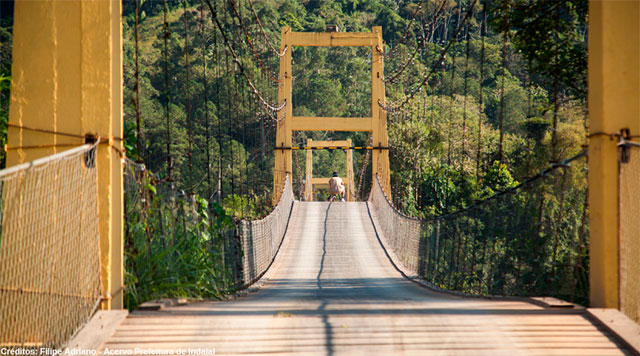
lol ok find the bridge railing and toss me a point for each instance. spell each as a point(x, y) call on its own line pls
point(260, 239)
point(49, 248)
point(629, 234)
point(176, 245)
point(527, 240)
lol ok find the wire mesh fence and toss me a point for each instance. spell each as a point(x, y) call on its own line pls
point(49, 248)
point(529, 240)
point(629, 248)
point(261, 238)
point(180, 245)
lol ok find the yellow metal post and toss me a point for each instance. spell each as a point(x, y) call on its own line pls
point(614, 92)
point(283, 161)
point(309, 168)
point(67, 77)
point(380, 157)
point(349, 182)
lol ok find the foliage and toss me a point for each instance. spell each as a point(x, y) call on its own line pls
point(559, 51)
point(524, 242)
point(6, 41)
point(174, 244)
point(238, 206)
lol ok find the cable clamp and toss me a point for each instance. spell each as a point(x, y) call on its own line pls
point(625, 143)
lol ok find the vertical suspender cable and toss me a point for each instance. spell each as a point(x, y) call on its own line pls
point(241, 117)
point(262, 152)
point(188, 89)
point(206, 99)
point(529, 109)
point(483, 33)
point(451, 92)
point(254, 148)
point(464, 104)
point(433, 88)
point(166, 89)
point(504, 73)
point(244, 191)
point(556, 107)
point(228, 105)
point(529, 89)
point(425, 53)
point(218, 115)
point(137, 74)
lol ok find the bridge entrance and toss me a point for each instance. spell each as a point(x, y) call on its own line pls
point(376, 124)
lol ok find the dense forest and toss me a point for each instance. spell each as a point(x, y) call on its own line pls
point(516, 77)
point(481, 95)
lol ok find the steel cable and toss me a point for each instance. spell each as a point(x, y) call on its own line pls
point(271, 107)
point(390, 108)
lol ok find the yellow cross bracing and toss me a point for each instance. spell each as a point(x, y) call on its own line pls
point(376, 124)
point(311, 182)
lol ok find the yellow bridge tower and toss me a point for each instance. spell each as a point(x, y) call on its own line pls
point(376, 124)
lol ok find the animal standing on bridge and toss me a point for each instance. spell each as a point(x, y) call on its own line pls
point(336, 186)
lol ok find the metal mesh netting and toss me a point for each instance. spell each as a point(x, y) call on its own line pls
point(629, 206)
point(526, 241)
point(49, 248)
point(178, 245)
point(261, 238)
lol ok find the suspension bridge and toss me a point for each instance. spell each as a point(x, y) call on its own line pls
point(311, 277)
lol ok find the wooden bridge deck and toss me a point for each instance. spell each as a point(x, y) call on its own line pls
point(332, 290)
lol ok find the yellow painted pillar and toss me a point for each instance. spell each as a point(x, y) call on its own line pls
point(309, 176)
point(614, 92)
point(349, 194)
point(380, 157)
point(67, 77)
point(283, 161)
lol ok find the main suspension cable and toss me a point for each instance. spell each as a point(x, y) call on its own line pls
point(406, 31)
point(214, 18)
point(393, 77)
point(413, 92)
point(255, 14)
point(566, 163)
point(246, 35)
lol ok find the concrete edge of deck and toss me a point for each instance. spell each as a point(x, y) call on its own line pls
point(618, 324)
point(95, 333)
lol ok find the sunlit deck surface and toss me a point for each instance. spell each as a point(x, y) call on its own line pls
point(332, 290)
